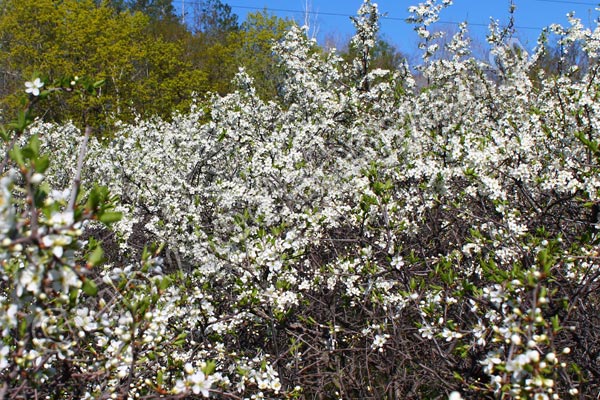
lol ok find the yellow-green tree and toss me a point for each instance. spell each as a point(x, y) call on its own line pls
point(144, 73)
point(220, 46)
point(384, 55)
point(258, 34)
point(213, 44)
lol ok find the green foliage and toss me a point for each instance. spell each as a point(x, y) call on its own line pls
point(215, 20)
point(155, 9)
point(151, 63)
point(384, 55)
point(79, 38)
point(561, 59)
point(258, 34)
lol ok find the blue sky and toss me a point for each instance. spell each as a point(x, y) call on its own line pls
point(531, 15)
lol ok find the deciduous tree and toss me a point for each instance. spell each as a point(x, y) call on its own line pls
point(81, 38)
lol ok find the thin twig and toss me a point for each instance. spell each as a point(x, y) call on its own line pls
point(7, 152)
point(77, 178)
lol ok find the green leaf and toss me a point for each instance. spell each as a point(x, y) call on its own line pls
point(4, 134)
point(96, 256)
point(73, 294)
point(34, 145)
point(28, 153)
point(23, 119)
point(23, 327)
point(164, 283)
point(44, 94)
point(41, 164)
point(180, 339)
point(556, 324)
point(210, 368)
point(94, 198)
point(17, 155)
point(89, 287)
point(40, 196)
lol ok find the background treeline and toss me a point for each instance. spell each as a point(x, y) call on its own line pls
point(151, 62)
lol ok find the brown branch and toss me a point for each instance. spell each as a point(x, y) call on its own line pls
point(77, 178)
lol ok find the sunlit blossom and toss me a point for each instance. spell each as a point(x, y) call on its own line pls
point(34, 87)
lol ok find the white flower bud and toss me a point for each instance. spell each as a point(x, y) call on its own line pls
point(37, 178)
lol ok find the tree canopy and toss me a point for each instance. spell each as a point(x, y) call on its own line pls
point(152, 64)
point(81, 38)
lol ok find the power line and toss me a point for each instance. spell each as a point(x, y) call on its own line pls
point(535, 28)
point(583, 3)
point(332, 14)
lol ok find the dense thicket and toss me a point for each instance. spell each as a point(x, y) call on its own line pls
point(361, 237)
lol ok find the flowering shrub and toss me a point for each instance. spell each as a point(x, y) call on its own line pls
point(359, 238)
